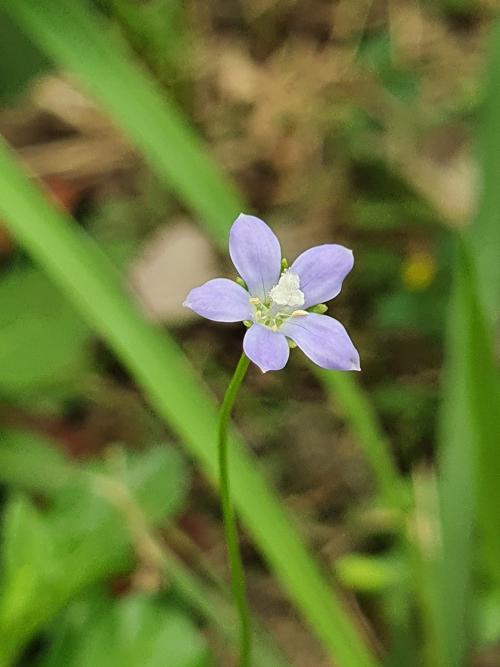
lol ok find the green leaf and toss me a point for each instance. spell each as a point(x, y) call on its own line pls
point(31, 572)
point(92, 518)
point(131, 632)
point(27, 543)
point(43, 341)
point(93, 532)
point(82, 538)
point(165, 472)
point(29, 460)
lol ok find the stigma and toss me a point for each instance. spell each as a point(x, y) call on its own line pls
point(287, 292)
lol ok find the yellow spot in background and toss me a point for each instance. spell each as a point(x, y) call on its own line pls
point(418, 271)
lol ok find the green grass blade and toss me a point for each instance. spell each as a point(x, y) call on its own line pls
point(482, 391)
point(456, 489)
point(470, 429)
point(470, 456)
point(485, 232)
point(85, 275)
point(73, 37)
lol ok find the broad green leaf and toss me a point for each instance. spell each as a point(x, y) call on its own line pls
point(27, 542)
point(165, 472)
point(44, 344)
point(31, 461)
point(83, 537)
point(129, 632)
point(30, 572)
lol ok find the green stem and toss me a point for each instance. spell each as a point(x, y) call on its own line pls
point(230, 530)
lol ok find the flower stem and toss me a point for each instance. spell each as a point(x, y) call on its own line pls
point(230, 530)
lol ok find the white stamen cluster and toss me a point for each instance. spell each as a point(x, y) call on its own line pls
point(281, 302)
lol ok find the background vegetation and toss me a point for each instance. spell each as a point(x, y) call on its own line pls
point(135, 132)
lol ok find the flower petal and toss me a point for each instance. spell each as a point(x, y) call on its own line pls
point(324, 340)
point(256, 253)
point(266, 348)
point(322, 270)
point(221, 300)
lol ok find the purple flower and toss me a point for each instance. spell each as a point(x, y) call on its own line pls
point(277, 302)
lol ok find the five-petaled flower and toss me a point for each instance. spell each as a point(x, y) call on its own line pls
point(276, 301)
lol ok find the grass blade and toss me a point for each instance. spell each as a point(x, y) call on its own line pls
point(470, 429)
point(485, 232)
point(470, 457)
point(456, 487)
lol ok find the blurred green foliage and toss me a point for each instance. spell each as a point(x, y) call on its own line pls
point(45, 345)
point(86, 578)
point(87, 533)
point(21, 60)
point(135, 631)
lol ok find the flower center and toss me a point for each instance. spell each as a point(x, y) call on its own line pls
point(281, 302)
point(287, 292)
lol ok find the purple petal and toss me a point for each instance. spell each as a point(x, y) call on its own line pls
point(220, 300)
point(256, 253)
point(324, 340)
point(266, 348)
point(322, 270)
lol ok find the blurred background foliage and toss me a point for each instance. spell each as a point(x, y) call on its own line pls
point(146, 126)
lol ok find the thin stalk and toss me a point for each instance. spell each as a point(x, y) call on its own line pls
point(237, 572)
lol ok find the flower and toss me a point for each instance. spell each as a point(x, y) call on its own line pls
point(277, 302)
